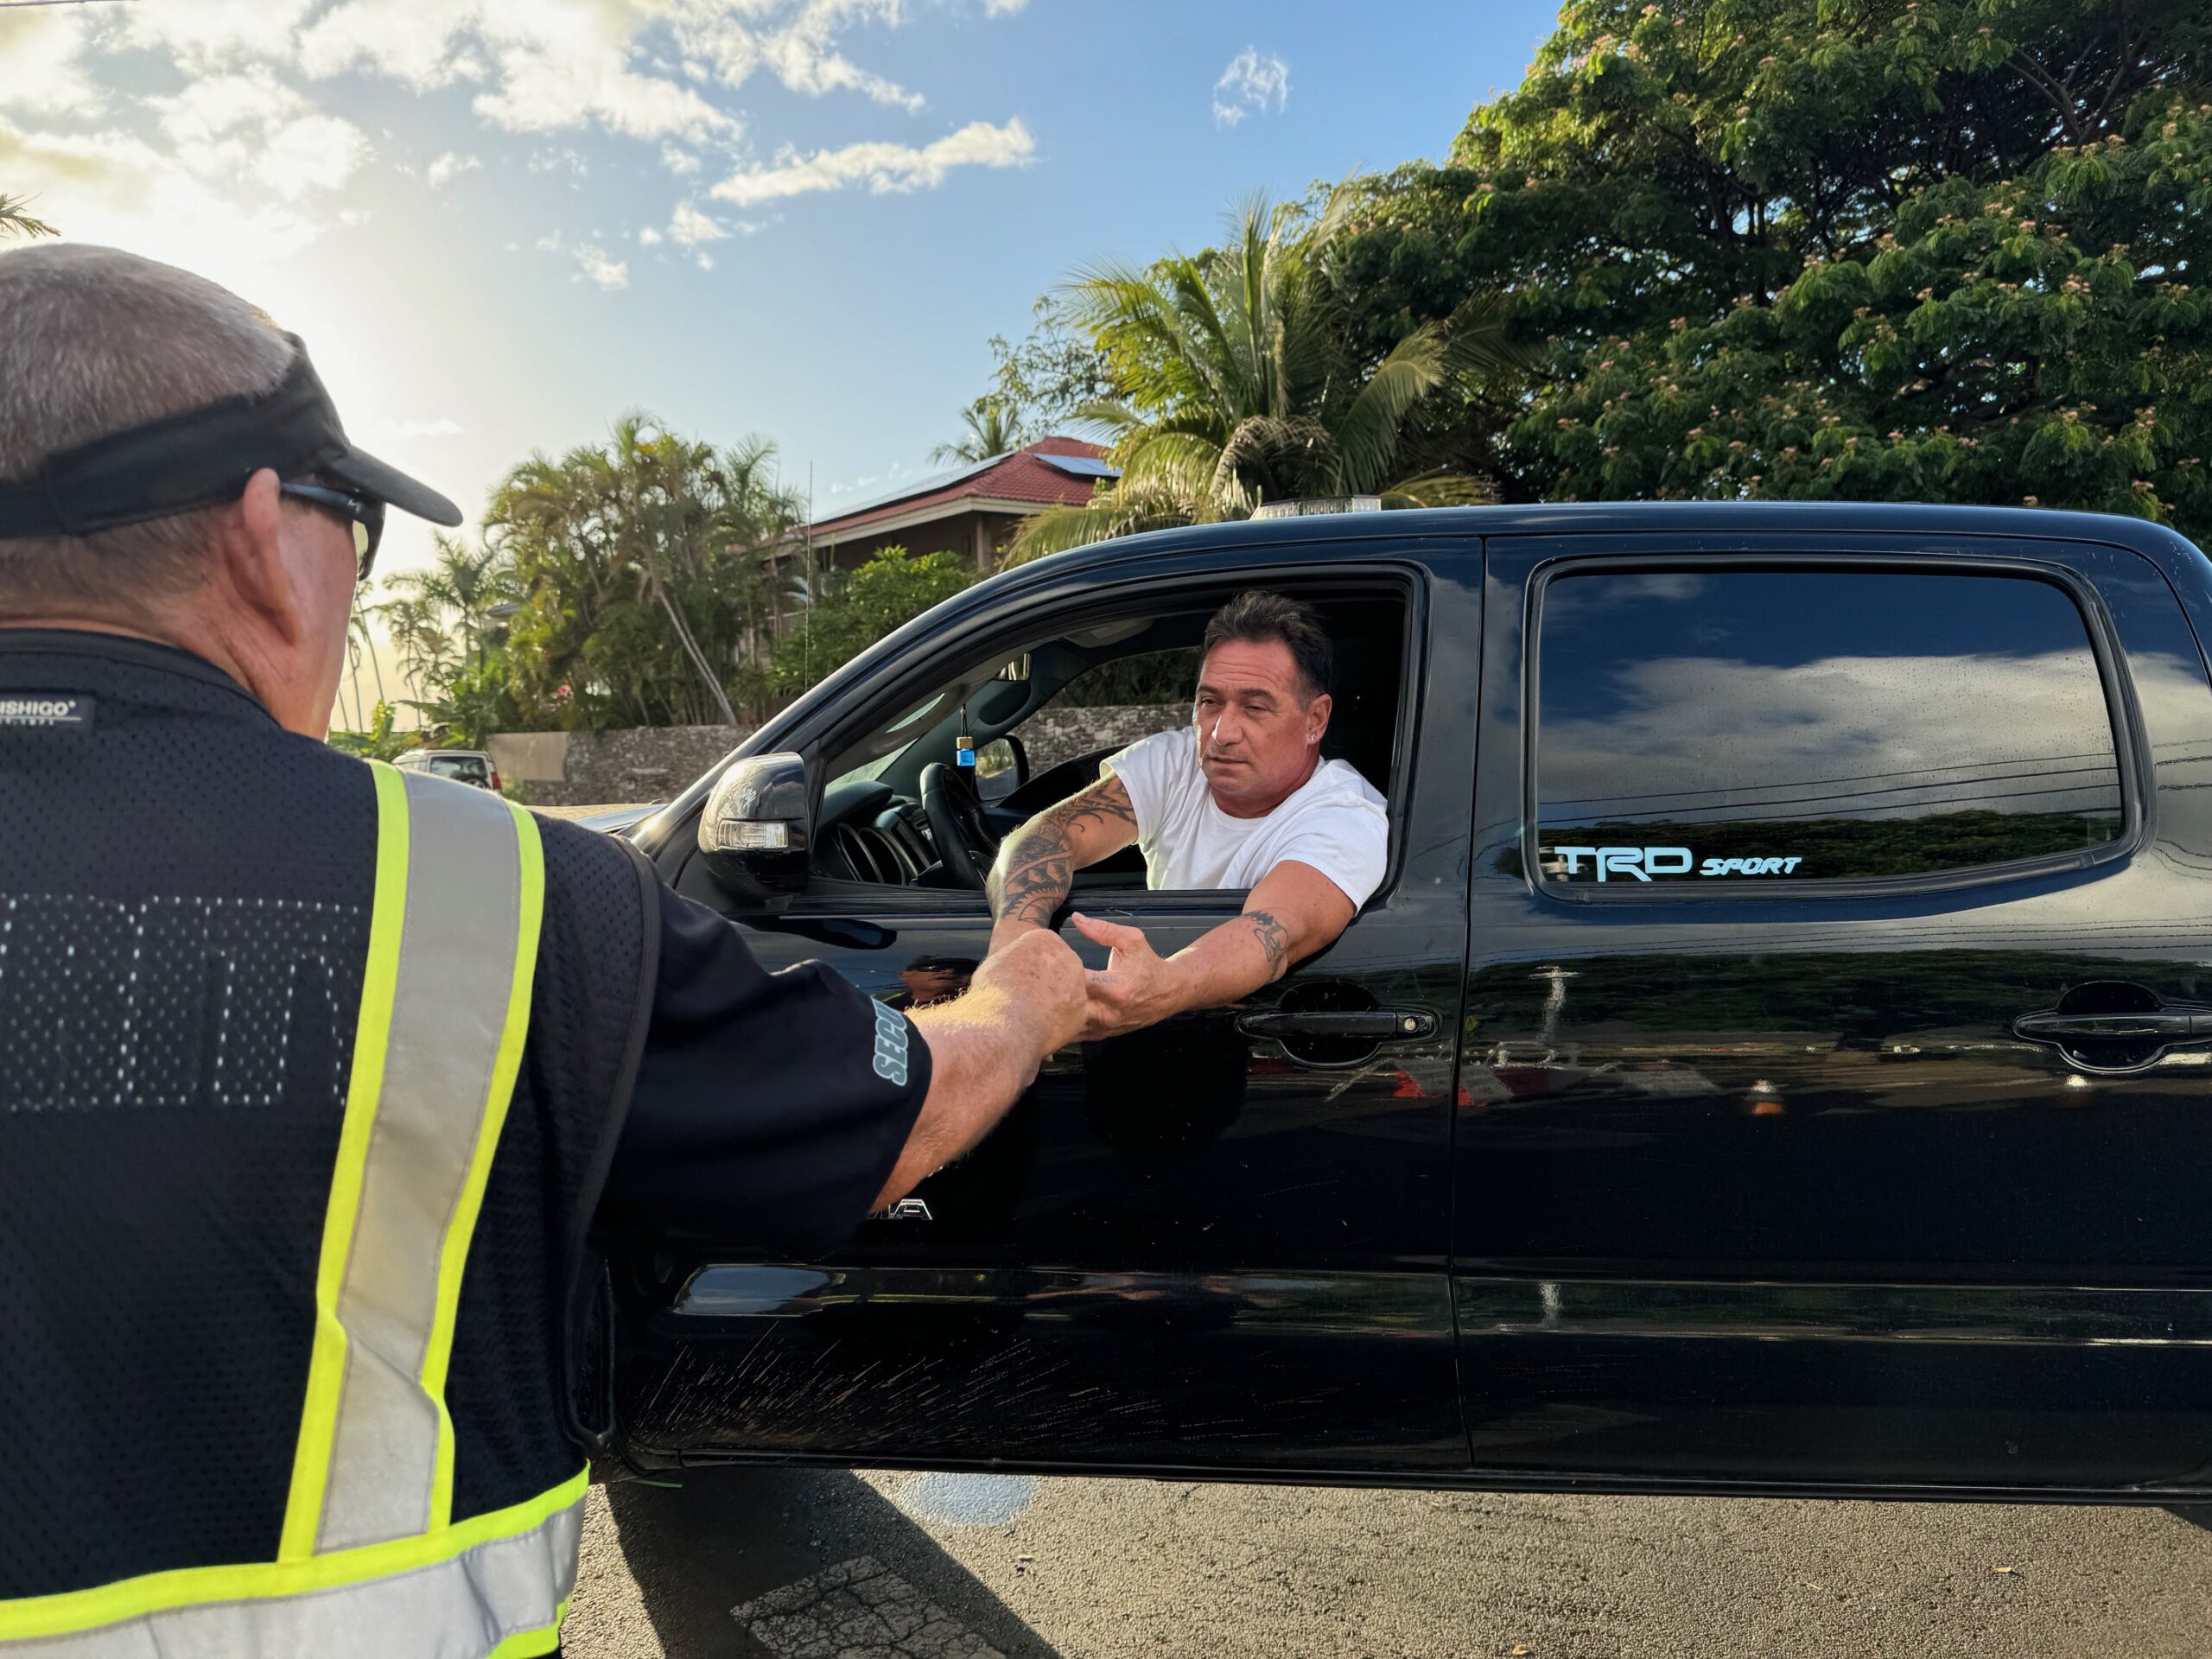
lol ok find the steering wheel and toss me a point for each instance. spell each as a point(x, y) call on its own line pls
point(965, 845)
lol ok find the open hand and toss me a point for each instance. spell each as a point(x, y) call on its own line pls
point(1135, 990)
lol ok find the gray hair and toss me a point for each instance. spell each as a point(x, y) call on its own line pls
point(95, 341)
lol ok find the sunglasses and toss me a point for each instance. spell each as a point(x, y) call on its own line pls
point(364, 513)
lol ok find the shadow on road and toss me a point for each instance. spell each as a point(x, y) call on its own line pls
point(730, 1535)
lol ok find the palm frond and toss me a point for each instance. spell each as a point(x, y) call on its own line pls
point(16, 221)
point(1438, 489)
point(1367, 436)
point(1179, 466)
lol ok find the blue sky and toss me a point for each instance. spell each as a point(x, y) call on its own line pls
point(499, 223)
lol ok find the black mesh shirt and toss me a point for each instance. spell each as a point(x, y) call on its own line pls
point(184, 907)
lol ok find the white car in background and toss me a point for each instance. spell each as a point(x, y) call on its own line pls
point(463, 765)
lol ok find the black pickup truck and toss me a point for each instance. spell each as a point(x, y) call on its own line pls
point(1778, 1060)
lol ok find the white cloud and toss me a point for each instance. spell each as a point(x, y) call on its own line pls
point(394, 431)
point(704, 260)
point(203, 35)
point(231, 137)
point(649, 237)
point(250, 126)
point(1250, 86)
point(689, 226)
point(447, 167)
point(801, 51)
point(1002, 8)
point(594, 263)
point(41, 49)
point(881, 167)
point(122, 189)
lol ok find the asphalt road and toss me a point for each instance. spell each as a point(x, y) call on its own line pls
point(776, 1564)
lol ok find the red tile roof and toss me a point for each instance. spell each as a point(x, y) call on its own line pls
point(1018, 476)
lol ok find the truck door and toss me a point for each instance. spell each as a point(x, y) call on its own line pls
point(1834, 1117)
point(1221, 1242)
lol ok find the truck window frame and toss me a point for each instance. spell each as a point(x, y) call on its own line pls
point(2130, 741)
point(1403, 581)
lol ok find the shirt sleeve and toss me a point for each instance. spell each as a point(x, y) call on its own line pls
point(1351, 846)
point(1143, 768)
point(769, 1108)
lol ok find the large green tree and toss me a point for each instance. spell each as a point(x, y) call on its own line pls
point(646, 566)
point(1869, 249)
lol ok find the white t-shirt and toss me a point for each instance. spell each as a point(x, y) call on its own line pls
point(1336, 823)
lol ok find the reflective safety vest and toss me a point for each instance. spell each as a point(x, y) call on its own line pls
point(370, 1561)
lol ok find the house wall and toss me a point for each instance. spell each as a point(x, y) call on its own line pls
point(980, 537)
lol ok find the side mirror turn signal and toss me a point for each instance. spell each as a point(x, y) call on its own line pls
point(756, 826)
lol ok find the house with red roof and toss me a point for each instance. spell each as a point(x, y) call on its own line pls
point(973, 510)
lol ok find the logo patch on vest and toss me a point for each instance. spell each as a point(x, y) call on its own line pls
point(51, 710)
point(891, 1045)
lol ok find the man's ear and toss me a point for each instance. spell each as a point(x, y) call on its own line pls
point(253, 558)
point(1317, 717)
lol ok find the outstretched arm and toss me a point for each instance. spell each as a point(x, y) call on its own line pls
point(1037, 864)
point(985, 1048)
point(1294, 911)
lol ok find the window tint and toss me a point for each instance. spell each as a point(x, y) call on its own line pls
point(1796, 726)
point(466, 767)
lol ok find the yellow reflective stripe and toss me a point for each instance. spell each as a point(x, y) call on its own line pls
point(380, 981)
point(439, 1355)
point(543, 1639)
point(130, 1599)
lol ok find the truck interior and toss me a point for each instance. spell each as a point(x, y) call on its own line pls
point(898, 809)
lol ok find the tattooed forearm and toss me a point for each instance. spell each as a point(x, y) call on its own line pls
point(1274, 937)
point(1036, 867)
point(1032, 876)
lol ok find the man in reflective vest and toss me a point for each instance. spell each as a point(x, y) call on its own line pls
point(312, 1073)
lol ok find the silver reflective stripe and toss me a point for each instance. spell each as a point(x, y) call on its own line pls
point(462, 1608)
point(456, 969)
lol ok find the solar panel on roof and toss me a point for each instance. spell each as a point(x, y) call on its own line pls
point(1082, 466)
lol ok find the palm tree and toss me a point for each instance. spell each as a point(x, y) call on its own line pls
point(418, 627)
point(16, 221)
point(994, 430)
point(1237, 388)
point(357, 628)
point(467, 580)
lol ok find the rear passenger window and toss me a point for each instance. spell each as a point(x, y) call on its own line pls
point(1791, 726)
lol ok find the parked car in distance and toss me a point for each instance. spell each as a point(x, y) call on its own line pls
point(1778, 1059)
point(463, 765)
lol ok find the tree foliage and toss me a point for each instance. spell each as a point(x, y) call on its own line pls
point(861, 606)
point(991, 431)
point(1867, 249)
point(647, 567)
point(1234, 384)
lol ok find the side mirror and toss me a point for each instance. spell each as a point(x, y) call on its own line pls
point(756, 826)
point(1001, 767)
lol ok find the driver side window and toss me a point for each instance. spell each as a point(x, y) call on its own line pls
point(1037, 725)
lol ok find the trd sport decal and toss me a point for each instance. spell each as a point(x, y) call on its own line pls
point(1641, 863)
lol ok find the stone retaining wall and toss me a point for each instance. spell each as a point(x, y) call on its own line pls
point(1058, 734)
point(651, 763)
point(640, 763)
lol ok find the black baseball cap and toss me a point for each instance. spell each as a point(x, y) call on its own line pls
point(204, 456)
